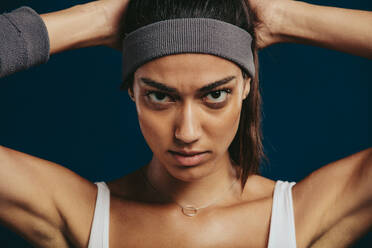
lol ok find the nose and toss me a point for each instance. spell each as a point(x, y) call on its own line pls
point(187, 125)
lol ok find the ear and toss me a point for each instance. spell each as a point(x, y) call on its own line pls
point(247, 87)
point(131, 95)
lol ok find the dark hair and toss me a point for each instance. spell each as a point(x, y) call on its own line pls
point(246, 149)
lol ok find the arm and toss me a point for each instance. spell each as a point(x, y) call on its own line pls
point(340, 29)
point(23, 41)
point(333, 205)
point(91, 24)
point(36, 201)
point(28, 38)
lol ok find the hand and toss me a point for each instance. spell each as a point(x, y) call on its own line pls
point(264, 10)
point(267, 20)
point(341, 29)
point(91, 24)
point(114, 11)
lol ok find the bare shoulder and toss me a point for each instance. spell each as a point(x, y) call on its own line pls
point(50, 205)
point(329, 196)
point(260, 185)
point(75, 199)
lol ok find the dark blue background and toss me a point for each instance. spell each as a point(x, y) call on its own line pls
point(70, 110)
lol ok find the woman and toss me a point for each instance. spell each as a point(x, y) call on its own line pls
point(144, 206)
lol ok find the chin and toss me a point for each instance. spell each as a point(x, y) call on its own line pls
point(189, 173)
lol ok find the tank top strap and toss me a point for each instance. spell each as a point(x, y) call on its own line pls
point(282, 224)
point(99, 234)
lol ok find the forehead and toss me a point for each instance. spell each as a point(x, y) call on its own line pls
point(188, 68)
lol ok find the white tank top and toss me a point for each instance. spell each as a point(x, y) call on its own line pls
point(282, 225)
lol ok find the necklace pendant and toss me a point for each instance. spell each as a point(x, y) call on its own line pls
point(189, 210)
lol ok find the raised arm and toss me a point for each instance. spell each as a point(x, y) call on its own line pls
point(23, 41)
point(333, 205)
point(37, 201)
point(91, 24)
point(27, 38)
point(37, 197)
point(345, 30)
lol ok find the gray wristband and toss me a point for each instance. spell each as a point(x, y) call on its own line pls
point(24, 40)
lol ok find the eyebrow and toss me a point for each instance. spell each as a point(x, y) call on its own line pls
point(169, 89)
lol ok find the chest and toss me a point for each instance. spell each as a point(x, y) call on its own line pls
point(138, 225)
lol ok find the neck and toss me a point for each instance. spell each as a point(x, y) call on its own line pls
point(198, 186)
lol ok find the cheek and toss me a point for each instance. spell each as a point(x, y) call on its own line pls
point(154, 129)
point(224, 126)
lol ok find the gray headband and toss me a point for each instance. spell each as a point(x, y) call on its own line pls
point(187, 35)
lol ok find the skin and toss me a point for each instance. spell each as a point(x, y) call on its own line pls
point(191, 122)
point(345, 30)
point(332, 206)
point(99, 20)
point(278, 21)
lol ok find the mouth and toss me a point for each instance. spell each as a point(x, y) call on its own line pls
point(190, 159)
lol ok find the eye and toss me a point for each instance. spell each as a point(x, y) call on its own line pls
point(215, 97)
point(156, 96)
point(219, 96)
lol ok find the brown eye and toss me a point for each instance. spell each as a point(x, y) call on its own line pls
point(218, 96)
point(156, 96)
point(214, 97)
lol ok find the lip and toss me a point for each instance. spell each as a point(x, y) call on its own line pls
point(189, 160)
point(187, 153)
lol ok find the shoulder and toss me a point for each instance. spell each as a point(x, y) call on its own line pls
point(40, 196)
point(258, 187)
point(70, 189)
point(333, 192)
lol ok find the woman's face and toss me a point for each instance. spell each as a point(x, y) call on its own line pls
point(178, 115)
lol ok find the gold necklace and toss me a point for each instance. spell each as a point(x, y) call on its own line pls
point(188, 210)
